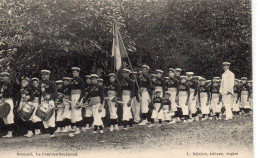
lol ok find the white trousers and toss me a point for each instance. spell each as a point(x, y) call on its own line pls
point(127, 115)
point(164, 113)
point(75, 113)
point(155, 111)
point(67, 111)
point(184, 107)
point(112, 108)
point(235, 105)
point(51, 121)
point(215, 106)
point(244, 102)
point(97, 115)
point(59, 116)
point(192, 104)
point(136, 108)
point(204, 106)
point(227, 100)
point(172, 99)
point(145, 100)
point(88, 111)
point(9, 119)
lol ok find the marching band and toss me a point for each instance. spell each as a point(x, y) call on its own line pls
point(73, 105)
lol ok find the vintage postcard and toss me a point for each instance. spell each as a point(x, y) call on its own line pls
point(126, 78)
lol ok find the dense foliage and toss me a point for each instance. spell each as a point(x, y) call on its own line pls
point(196, 35)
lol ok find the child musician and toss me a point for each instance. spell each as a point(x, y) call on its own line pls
point(245, 95)
point(165, 108)
point(26, 97)
point(48, 95)
point(112, 91)
point(215, 98)
point(36, 92)
point(66, 100)
point(204, 98)
point(157, 103)
point(88, 118)
point(95, 98)
point(127, 93)
point(6, 94)
point(60, 106)
point(236, 98)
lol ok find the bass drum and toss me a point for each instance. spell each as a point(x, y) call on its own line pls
point(44, 111)
point(4, 109)
point(26, 111)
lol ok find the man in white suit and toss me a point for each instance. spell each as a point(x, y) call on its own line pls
point(226, 89)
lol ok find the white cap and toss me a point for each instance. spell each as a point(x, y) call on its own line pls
point(45, 71)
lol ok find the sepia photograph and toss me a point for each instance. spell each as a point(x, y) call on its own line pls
point(126, 78)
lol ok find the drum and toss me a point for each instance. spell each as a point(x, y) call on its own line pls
point(26, 111)
point(44, 111)
point(4, 109)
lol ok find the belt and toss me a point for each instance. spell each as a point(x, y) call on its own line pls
point(111, 92)
point(203, 95)
point(244, 92)
point(95, 100)
point(172, 89)
point(76, 91)
point(183, 93)
point(126, 92)
point(67, 97)
point(215, 95)
point(158, 87)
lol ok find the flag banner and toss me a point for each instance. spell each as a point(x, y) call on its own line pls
point(119, 53)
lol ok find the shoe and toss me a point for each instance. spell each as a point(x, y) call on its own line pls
point(9, 135)
point(65, 130)
point(143, 123)
point(87, 127)
point(73, 129)
point(58, 130)
point(228, 118)
point(172, 122)
point(94, 132)
point(83, 130)
point(111, 128)
point(29, 134)
point(52, 136)
point(77, 131)
point(210, 118)
point(185, 121)
point(116, 127)
point(125, 129)
point(71, 135)
point(151, 125)
point(101, 131)
point(38, 132)
point(216, 118)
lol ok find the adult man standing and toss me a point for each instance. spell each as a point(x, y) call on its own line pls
point(226, 89)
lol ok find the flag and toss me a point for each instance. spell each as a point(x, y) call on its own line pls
point(118, 48)
point(119, 54)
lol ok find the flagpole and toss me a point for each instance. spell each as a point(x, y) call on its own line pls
point(130, 64)
point(113, 58)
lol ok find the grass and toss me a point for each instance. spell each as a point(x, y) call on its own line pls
point(213, 135)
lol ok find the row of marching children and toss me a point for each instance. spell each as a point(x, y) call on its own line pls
point(72, 105)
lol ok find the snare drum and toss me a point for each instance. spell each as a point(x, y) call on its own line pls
point(26, 111)
point(44, 111)
point(4, 109)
